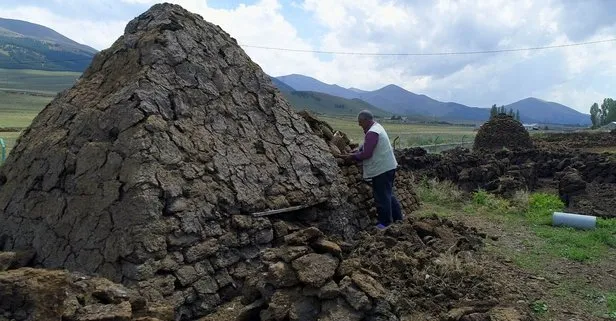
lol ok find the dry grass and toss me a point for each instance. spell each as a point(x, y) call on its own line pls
point(521, 200)
point(435, 191)
point(449, 265)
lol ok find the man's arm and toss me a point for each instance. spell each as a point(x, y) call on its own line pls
point(370, 142)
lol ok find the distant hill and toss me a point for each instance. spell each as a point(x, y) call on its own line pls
point(25, 45)
point(328, 104)
point(305, 83)
point(534, 110)
point(324, 103)
point(281, 85)
point(399, 101)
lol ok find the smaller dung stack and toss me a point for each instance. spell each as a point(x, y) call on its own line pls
point(501, 132)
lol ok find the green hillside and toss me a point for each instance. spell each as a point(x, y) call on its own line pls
point(330, 105)
point(25, 45)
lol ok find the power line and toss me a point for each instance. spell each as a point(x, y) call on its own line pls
point(24, 62)
point(431, 53)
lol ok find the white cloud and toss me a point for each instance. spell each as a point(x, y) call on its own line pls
point(97, 34)
point(468, 25)
point(572, 76)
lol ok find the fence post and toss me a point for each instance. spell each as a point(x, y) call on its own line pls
point(3, 147)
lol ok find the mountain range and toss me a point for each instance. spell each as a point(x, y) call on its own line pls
point(396, 100)
point(25, 45)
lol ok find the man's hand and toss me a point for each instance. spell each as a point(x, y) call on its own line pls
point(347, 157)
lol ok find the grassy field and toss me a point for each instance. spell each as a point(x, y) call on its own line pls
point(24, 93)
point(410, 134)
point(46, 82)
point(18, 109)
point(564, 271)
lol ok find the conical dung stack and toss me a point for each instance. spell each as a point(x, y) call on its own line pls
point(144, 171)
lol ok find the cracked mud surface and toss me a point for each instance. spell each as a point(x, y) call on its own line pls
point(144, 172)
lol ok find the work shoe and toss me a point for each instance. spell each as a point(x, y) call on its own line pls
point(381, 227)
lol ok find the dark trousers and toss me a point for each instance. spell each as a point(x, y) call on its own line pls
point(387, 205)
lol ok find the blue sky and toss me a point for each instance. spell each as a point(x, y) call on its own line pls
point(576, 76)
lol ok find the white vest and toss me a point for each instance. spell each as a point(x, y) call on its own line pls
point(383, 158)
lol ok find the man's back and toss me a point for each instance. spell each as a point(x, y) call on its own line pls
point(383, 158)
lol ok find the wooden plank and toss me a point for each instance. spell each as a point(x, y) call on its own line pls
point(287, 209)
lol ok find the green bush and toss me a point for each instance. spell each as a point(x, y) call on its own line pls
point(611, 303)
point(541, 206)
point(492, 202)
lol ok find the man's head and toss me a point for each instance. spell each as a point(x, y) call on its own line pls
point(365, 119)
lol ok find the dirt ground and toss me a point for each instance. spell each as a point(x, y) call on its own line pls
point(568, 290)
point(587, 141)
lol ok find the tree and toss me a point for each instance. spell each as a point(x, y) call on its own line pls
point(502, 110)
point(603, 115)
point(609, 105)
point(493, 111)
point(510, 112)
point(594, 115)
point(517, 115)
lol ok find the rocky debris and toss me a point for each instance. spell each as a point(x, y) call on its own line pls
point(570, 185)
point(470, 171)
point(418, 266)
point(315, 269)
point(304, 236)
point(575, 140)
point(418, 158)
point(35, 294)
point(505, 171)
point(597, 199)
point(235, 311)
point(325, 246)
point(515, 178)
point(500, 132)
point(338, 142)
point(146, 171)
point(427, 265)
point(487, 312)
point(15, 260)
point(318, 292)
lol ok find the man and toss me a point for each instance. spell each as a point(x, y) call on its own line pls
point(379, 165)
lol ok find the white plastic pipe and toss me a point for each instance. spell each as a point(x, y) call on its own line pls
point(584, 222)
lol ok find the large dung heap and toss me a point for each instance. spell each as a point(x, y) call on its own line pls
point(147, 170)
point(501, 132)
